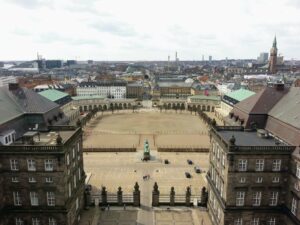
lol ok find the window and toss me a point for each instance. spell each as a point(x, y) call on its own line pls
point(31, 165)
point(242, 166)
point(275, 180)
point(298, 170)
point(17, 198)
point(238, 221)
point(74, 180)
point(52, 221)
point(240, 197)
point(259, 166)
point(276, 165)
point(50, 199)
point(223, 160)
point(242, 180)
point(294, 206)
point(258, 180)
point(34, 199)
point(256, 198)
point(79, 173)
point(14, 165)
point(70, 190)
point(35, 221)
point(19, 221)
point(273, 198)
point(254, 221)
point(73, 150)
point(31, 180)
point(48, 165)
point(15, 179)
point(77, 203)
point(272, 221)
point(68, 159)
point(49, 180)
point(297, 186)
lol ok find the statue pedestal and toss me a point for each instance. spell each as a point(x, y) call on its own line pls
point(146, 156)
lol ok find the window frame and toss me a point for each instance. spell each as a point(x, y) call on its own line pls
point(242, 165)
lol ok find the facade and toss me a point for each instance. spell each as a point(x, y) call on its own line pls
point(135, 90)
point(263, 57)
point(42, 178)
point(247, 177)
point(109, 89)
point(203, 102)
point(173, 89)
point(6, 80)
point(273, 58)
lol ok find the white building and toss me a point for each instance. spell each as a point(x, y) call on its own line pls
point(6, 80)
point(108, 89)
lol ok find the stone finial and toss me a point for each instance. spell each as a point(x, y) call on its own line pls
point(232, 140)
point(136, 186)
point(119, 189)
point(155, 187)
point(188, 190)
point(172, 190)
point(59, 139)
point(78, 123)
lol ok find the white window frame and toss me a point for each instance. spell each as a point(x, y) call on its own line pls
point(272, 221)
point(298, 170)
point(73, 153)
point(50, 198)
point(242, 165)
point(274, 198)
point(17, 198)
point(15, 179)
point(34, 198)
point(31, 180)
point(31, 165)
point(52, 221)
point(275, 180)
point(36, 221)
point(256, 200)
point(238, 221)
point(254, 221)
point(259, 165)
point(14, 165)
point(77, 203)
point(49, 165)
point(75, 180)
point(68, 159)
point(49, 179)
point(19, 221)
point(294, 206)
point(258, 180)
point(70, 190)
point(242, 180)
point(240, 198)
point(276, 166)
point(79, 174)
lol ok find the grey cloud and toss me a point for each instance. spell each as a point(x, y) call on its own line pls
point(33, 4)
point(54, 37)
point(115, 28)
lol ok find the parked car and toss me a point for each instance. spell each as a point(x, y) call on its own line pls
point(188, 175)
point(190, 162)
point(167, 161)
point(197, 169)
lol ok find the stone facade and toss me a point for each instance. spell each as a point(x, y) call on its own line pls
point(248, 178)
point(43, 181)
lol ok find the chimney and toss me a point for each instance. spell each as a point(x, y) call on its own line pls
point(13, 86)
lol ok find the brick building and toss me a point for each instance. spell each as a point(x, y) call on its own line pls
point(42, 178)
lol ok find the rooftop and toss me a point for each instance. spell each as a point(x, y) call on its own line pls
point(53, 95)
point(205, 97)
point(88, 97)
point(240, 94)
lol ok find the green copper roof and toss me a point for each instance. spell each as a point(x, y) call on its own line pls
point(204, 97)
point(53, 95)
point(240, 94)
point(87, 97)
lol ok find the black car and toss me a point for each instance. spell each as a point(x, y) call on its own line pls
point(188, 175)
point(167, 161)
point(190, 162)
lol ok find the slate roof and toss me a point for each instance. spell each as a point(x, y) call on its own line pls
point(262, 102)
point(288, 108)
point(53, 95)
point(20, 101)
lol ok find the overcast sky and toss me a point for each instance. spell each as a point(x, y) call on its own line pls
point(147, 29)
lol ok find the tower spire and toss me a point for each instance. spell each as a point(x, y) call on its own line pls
point(275, 42)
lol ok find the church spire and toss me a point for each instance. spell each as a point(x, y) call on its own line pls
point(275, 42)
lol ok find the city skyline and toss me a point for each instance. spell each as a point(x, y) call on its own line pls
point(147, 30)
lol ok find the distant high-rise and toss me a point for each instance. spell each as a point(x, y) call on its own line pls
point(263, 57)
point(210, 58)
point(273, 58)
